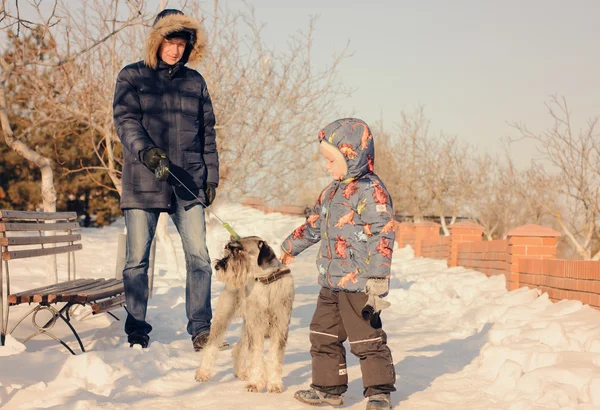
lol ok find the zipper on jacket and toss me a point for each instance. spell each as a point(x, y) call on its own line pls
point(331, 249)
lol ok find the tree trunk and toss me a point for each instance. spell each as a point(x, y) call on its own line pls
point(48, 190)
point(584, 251)
point(443, 223)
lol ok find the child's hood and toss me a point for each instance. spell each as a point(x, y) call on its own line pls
point(354, 140)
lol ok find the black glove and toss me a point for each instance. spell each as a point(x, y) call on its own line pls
point(152, 157)
point(210, 192)
point(156, 160)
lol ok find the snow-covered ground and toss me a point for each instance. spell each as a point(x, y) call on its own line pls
point(458, 338)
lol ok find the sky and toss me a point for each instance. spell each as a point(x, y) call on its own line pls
point(474, 65)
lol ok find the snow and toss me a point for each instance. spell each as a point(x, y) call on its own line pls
point(458, 338)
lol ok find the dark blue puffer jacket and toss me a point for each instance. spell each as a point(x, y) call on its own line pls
point(157, 105)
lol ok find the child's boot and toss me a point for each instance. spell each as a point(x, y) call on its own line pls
point(379, 402)
point(314, 397)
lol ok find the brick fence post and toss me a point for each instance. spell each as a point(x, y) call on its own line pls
point(424, 231)
point(528, 241)
point(462, 232)
point(403, 229)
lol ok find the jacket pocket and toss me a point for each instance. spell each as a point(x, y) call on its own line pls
point(191, 99)
point(194, 165)
point(143, 179)
point(358, 261)
point(151, 100)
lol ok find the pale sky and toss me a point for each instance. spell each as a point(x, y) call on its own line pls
point(474, 64)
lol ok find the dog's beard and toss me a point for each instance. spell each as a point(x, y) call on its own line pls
point(243, 258)
point(233, 270)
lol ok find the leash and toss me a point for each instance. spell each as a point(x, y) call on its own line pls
point(225, 224)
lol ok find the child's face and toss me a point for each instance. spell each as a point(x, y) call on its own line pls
point(334, 161)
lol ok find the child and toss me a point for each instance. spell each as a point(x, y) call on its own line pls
point(353, 219)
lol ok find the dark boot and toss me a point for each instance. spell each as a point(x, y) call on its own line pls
point(314, 397)
point(379, 402)
point(200, 341)
point(141, 339)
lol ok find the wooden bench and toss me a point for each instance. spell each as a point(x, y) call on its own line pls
point(27, 240)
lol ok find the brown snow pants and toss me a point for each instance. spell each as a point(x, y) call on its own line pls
point(337, 318)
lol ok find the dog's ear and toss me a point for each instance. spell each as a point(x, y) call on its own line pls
point(265, 254)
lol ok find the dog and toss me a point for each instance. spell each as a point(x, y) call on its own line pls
point(260, 289)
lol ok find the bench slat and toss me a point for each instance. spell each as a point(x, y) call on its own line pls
point(10, 255)
point(38, 240)
point(34, 226)
point(67, 295)
point(27, 296)
point(101, 293)
point(108, 304)
point(56, 294)
point(79, 293)
point(9, 214)
point(71, 294)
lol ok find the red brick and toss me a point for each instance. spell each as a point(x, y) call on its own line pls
point(541, 250)
point(523, 240)
point(549, 241)
point(518, 250)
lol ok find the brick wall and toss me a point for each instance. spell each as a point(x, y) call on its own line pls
point(526, 258)
point(436, 248)
point(488, 257)
point(563, 279)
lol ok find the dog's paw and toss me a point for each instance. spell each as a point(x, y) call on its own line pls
point(242, 374)
point(252, 388)
point(275, 388)
point(202, 375)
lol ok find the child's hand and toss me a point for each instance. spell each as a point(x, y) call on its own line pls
point(286, 258)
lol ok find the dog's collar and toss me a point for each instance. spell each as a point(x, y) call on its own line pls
point(273, 276)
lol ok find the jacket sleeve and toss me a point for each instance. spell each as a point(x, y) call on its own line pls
point(307, 234)
point(376, 213)
point(211, 157)
point(127, 115)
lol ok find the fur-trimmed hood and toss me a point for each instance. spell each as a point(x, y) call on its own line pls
point(170, 24)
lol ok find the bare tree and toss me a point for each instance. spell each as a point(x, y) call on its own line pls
point(34, 63)
point(452, 176)
point(269, 104)
point(569, 168)
point(496, 204)
point(50, 30)
point(408, 147)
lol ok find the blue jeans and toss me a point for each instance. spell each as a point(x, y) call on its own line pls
point(141, 225)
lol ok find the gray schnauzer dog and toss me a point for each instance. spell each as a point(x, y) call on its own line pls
point(260, 289)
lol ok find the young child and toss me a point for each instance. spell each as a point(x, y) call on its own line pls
point(353, 219)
